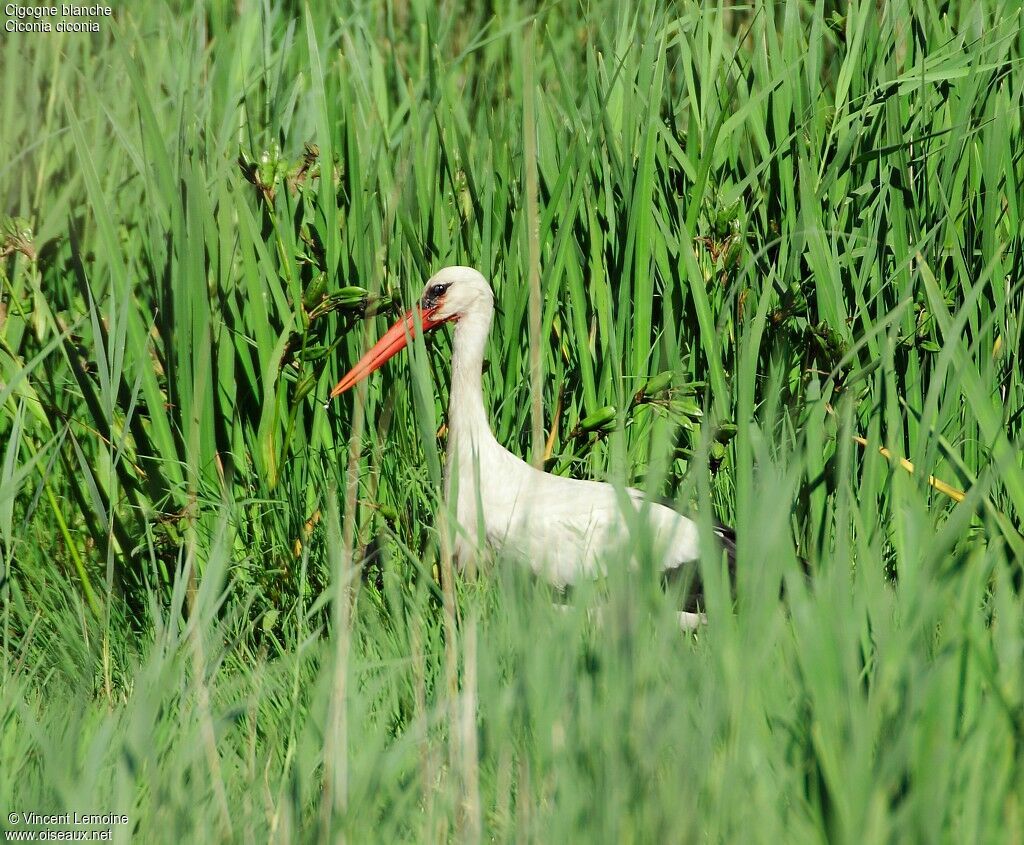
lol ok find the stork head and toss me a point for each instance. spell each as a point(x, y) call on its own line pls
point(450, 294)
point(455, 292)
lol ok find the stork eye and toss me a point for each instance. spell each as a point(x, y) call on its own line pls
point(438, 290)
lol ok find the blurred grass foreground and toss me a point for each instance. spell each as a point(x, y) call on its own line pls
point(760, 231)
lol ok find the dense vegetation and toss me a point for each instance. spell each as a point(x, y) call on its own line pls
point(759, 233)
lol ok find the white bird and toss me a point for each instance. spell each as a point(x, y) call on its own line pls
point(564, 529)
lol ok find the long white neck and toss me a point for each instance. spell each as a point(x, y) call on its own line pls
point(468, 426)
point(474, 457)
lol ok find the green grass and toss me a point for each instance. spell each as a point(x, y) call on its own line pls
point(809, 218)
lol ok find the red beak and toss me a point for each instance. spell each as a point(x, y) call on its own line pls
point(394, 341)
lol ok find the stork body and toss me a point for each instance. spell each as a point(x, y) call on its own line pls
point(563, 529)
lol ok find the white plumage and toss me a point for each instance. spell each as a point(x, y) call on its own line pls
point(562, 528)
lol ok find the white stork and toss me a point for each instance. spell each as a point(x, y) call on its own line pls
point(562, 528)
